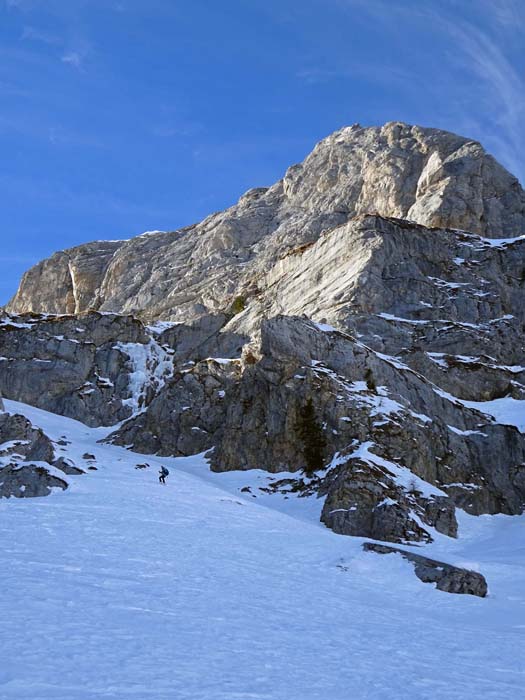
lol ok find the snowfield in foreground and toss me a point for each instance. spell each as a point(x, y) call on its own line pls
point(126, 589)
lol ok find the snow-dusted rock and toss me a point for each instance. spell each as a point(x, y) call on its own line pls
point(410, 292)
point(187, 415)
point(20, 439)
point(448, 578)
point(366, 498)
point(28, 480)
point(415, 447)
point(28, 466)
point(95, 367)
point(361, 395)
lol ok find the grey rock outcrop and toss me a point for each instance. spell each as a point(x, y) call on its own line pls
point(28, 481)
point(20, 439)
point(426, 175)
point(414, 293)
point(187, 415)
point(448, 578)
point(365, 396)
point(28, 466)
point(448, 304)
point(364, 500)
point(208, 336)
point(430, 176)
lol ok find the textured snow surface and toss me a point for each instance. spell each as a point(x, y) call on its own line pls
point(126, 589)
point(501, 242)
point(506, 410)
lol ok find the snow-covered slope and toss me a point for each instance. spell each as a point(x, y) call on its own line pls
point(126, 589)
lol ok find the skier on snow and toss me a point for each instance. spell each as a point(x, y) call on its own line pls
point(163, 473)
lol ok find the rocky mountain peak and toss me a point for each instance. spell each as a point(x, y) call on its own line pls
point(349, 287)
point(432, 177)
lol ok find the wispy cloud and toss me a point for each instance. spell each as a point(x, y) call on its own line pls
point(73, 58)
point(508, 13)
point(68, 33)
point(34, 34)
point(501, 87)
point(367, 71)
point(484, 82)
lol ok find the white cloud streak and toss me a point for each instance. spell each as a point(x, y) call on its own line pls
point(72, 58)
point(34, 34)
point(501, 87)
point(485, 38)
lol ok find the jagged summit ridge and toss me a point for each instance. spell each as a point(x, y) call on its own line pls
point(432, 177)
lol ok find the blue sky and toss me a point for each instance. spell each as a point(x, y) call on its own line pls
point(119, 116)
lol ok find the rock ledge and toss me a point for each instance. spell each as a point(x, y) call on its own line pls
point(448, 578)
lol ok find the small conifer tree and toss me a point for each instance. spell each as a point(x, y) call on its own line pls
point(370, 382)
point(312, 437)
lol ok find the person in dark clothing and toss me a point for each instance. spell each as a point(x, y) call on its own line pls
point(163, 473)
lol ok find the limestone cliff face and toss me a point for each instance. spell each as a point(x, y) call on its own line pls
point(432, 177)
point(68, 281)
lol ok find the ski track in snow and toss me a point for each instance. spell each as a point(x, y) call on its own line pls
point(121, 588)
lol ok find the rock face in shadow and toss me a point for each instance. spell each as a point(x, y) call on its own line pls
point(94, 368)
point(395, 470)
point(187, 415)
point(18, 437)
point(448, 578)
point(101, 368)
point(362, 397)
point(429, 176)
